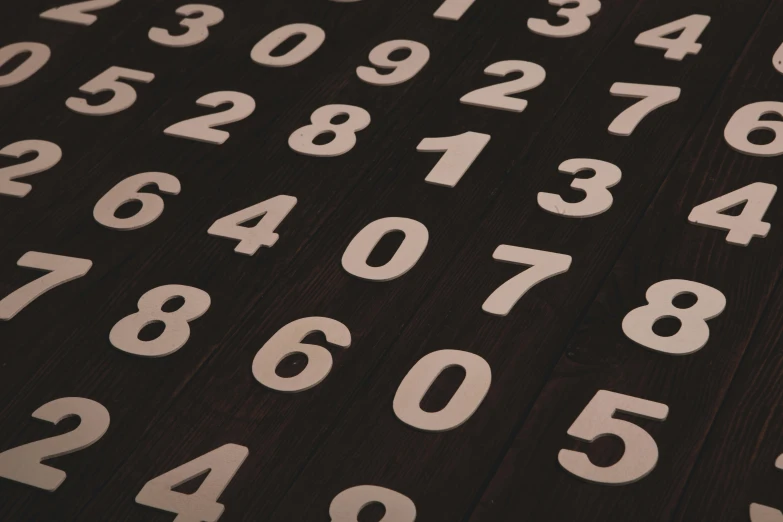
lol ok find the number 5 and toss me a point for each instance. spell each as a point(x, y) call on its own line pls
point(543, 265)
point(762, 513)
point(653, 97)
point(108, 80)
point(596, 420)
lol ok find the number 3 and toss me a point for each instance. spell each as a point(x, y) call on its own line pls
point(198, 28)
point(578, 19)
point(598, 199)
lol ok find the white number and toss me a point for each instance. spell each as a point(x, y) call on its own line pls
point(690, 29)
point(452, 9)
point(198, 28)
point(748, 119)
point(39, 55)
point(129, 190)
point(499, 96)
point(652, 97)
point(598, 199)
point(410, 250)
point(288, 341)
point(77, 13)
point(302, 139)
point(220, 464)
point(49, 155)
point(756, 197)
point(347, 505)
point(543, 265)
point(404, 69)
point(761, 513)
point(125, 334)
point(596, 420)
point(23, 463)
point(777, 59)
point(693, 333)
point(273, 210)
point(262, 51)
point(200, 128)
point(578, 19)
point(464, 402)
point(460, 153)
point(61, 270)
point(108, 80)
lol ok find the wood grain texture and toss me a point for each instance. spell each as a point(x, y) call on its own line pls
point(305, 448)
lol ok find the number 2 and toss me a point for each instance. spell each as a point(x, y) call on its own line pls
point(23, 463)
point(499, 96)
point(49, 155)
point(201, 127)
point(77, 13)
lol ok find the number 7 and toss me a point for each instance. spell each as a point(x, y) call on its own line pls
point(61, 270)
point(652, 97)
point(543, 265)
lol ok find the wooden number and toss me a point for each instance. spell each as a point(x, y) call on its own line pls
point(652, 97)
point(690, 29)
point(460, 153)
point(314, 36)
point(39, 55)
point(597, 199)
point(198, 27)
point(78, 13)
point(464, 402)
point(129, 190)
point(302, 140)
point(220, 465)
point(62, 269)
point(288, 341)
point(403, 70)
point(762, 513)
point(578, 19)
point(452, 9)
point(24, 463)
point(109, 80)
point(748, 119)
point(543, 265)
point(694, 331)
point(125, 334)
point(499, 96)
point(597, 420)
point(49, 155)
point(201, 127)
point(742, 228)
point(345, 507)
point(273, 210)
point(355, 257)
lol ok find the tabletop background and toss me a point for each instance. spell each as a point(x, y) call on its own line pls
point(559, 345)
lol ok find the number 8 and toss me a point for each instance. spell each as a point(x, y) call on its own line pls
point(302, 140)
point(125, 334)
point(693, 333)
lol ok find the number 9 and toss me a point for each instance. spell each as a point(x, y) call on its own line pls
point(404, 69)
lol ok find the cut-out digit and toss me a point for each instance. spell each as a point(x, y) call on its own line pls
point(407, 255)
point(201, 127)
point(498, 96)
point(403, 70)
point(198, 27)
point(748, 224)
point(690, 29)
point(748, 119)
point(273, 210)
point(347, 505)
point(49, 155)
point(129, 190)
point(39, 55)
point(79, 12)
point(597, 199)
point(109, 80)
point(302, 140)
point(652, 97)
point(314, 36)
point(460, 153)
point(578, 19)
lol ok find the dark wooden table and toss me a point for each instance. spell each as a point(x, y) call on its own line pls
point(560, 344)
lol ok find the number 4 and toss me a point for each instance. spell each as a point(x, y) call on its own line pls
point(676, 48)
point(744, 227)
point(221, 465)
point(543, 265)
point(273, 210)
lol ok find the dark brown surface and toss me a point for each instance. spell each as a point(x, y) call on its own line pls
point(561, 342)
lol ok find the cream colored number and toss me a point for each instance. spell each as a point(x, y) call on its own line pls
point(748, 119)
point(347, 505)
point(597, 420)
point(125, 334)
point(201, 127)
point(273, 211)
point(597, 199)
point(302, 140)
point(198, 27)
point(693, 333)
point(652, 97)
point(62, 269)
point(543, 265)
point(762, 513)
point(39, 55)
point(109, 80)
point(24, 463)
point(288, 341)
point(689, 29)
point(460, 153)
point(403, 70)
point(452, 9)
point(314, 36)
point(578, 19)
point(78, 13)
point(498, 96)
point(777, 59)
point(128, 190)
point(464, 402)
point(355, 257)
point(49, 155)
point(220, 465)
point(748, 224)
